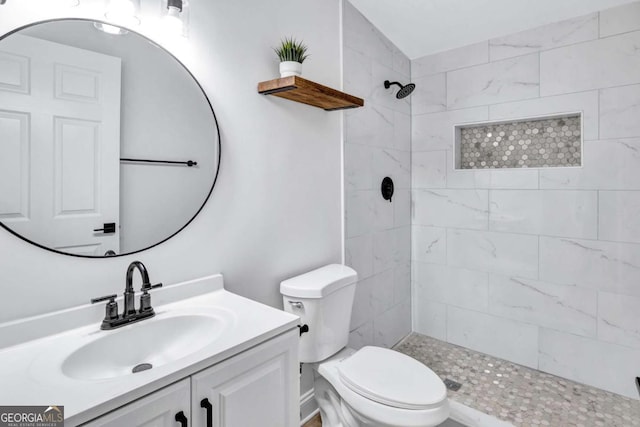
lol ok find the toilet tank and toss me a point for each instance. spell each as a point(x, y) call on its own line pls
point(323, 299)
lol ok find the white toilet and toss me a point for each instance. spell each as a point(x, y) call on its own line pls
point(372, 386)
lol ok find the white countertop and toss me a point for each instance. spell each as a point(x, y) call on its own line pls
point(31, 374)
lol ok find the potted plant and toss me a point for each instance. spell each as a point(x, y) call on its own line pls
point(292, 54)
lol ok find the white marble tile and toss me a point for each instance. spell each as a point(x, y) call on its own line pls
point(357, 71)
point(383, 212)
point(401, 202)
point(430, 95)
point(359, 213)
point(500, 253)
point(382, 120)
point(621, 19)
point(619, 216)
point(605, 266)
point(502, 81)
point(451, 208)
point(401, 63)
point(358, 161)
point(435, 131)
point(619, 319)
point(392, 325)
point(453, 286)
point(587, 102)
point(429, 169)
point(361, 336)
point(566, 213)
point(518, 178)
point(385, 250)
point(430, 318)
point(360, 35)
point(362, 309)
point(497, 336)
point(359, 255)
point(565, 308)
point(403, 245)
point(580, 29)
point(392, 163)
point(450, 60)
point(371, 125)
point(526, 179)
point(603, 365)
point(387, 97)
point(429, 244)
point(619, 112)
point(382, 292)
point(613, 61)
point(597, 172)
point(358, 128)
point(402, 283)
point(402, 131)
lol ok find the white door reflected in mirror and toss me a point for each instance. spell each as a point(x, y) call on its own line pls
point(76, 102)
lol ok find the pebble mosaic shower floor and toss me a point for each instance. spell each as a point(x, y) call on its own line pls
point(519, 395)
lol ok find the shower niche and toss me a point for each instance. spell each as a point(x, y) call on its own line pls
point(534, 142)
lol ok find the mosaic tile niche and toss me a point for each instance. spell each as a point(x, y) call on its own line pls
point(530, 143)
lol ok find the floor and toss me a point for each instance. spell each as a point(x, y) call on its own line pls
point(519, 395)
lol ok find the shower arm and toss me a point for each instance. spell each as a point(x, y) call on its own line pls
point(387, 84)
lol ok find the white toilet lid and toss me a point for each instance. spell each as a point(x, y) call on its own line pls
point(392, 378)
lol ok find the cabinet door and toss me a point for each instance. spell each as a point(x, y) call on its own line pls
point(158, 409)
point(257, 388)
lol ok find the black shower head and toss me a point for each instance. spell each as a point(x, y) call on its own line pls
point(405, 90)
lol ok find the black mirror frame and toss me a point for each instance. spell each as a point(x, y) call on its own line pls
point(215, 179)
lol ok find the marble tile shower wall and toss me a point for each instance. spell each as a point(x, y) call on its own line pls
point(377, 144)
point(540, 267)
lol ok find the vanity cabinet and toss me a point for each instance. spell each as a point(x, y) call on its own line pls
point(251, 389)
point(158, 409)
point(255, 388)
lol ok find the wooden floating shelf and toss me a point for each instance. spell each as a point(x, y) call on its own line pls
point(307, 92)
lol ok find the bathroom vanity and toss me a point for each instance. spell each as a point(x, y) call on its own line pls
point(207, 358)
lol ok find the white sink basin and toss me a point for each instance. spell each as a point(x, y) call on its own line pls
point(156, 341)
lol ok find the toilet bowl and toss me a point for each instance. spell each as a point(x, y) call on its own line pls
point(372, 386)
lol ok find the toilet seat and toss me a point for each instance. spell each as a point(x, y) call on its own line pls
point(392, 378)
point(380, 413)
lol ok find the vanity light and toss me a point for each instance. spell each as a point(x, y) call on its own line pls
point(110, 29)
point(122, 12)
point(173, 19)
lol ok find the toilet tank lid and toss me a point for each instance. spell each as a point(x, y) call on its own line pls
point(320, 282)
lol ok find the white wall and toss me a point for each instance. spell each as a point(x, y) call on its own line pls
point(377, 144)
point(276, 210)
point(164, 116)
point(495, 266)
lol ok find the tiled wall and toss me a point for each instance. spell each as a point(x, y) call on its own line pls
point(377, 144)
point(540, 267)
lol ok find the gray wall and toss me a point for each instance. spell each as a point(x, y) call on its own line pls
point(377, 144)
point(540, 267)
point(276, 211)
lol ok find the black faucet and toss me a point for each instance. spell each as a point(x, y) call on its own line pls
point(112, 319)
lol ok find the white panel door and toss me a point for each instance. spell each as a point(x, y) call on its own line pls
point(158, 409)
point(257, 388)
point(59, 144)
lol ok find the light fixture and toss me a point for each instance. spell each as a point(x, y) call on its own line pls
point(110, 29)
point(122, 12)
point(173, 20)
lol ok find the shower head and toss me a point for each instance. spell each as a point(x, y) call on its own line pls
point(405, 90)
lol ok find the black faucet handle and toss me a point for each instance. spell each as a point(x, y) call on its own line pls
point(109, 298)
point(148, 286)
